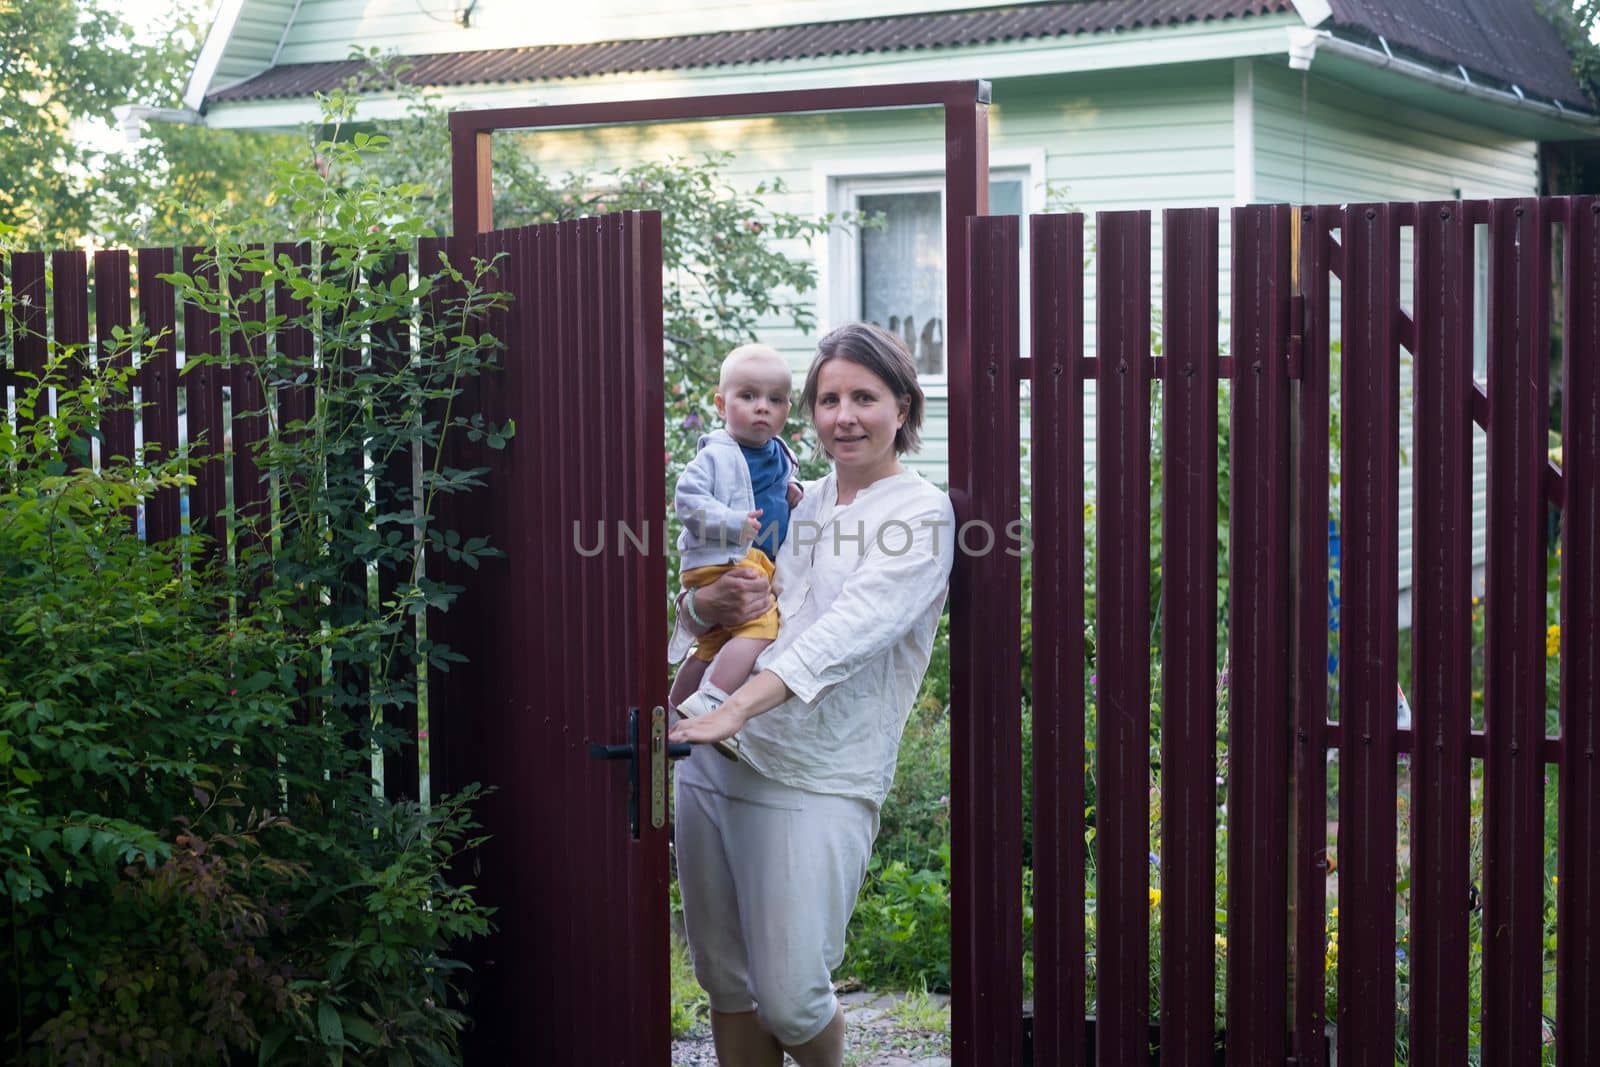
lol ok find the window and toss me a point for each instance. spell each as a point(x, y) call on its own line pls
point(893, 274)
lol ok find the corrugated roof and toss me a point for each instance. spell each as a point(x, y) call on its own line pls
point(1500, 41)
point(814, 40)
point(1505, 41)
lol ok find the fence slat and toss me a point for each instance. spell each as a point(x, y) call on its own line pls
point(1057, 457)
point(1368, 643)
point(612, 491)
point(157, 382)
point(1189, 316)
point(1519, 335)
point(293, 340)
point(1441, 701)
point(7, 378)
point(455, 696)
point(1309, 686)
point(29, 340)
point(248, 413)
point(1258, 626)
point(547, 293)
point(986, 739)
point(645, 417)
point(1122, 637)
point(69, 300)
point(204, 373)
point(567, 378)
point(551, 533)
point(113, 310)
point(295, 401)
point(604, 711)
point(1578, 892)
point(391, 353)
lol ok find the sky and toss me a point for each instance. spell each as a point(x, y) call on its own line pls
point(147, 16)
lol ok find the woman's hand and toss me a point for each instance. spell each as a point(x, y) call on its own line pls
point(739, 596)
point(758, 695)
point(713, 726)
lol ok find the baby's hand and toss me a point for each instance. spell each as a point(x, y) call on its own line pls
point(752, 525)
point(795, 493)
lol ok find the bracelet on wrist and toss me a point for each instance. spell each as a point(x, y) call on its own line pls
point(688, 604)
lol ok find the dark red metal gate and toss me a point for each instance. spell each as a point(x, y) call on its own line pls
point(562, 645)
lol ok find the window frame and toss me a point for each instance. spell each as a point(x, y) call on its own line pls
point(837, 184)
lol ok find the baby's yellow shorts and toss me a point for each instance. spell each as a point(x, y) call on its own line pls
point(765, 626)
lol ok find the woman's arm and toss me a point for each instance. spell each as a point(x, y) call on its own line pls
point(760, 694)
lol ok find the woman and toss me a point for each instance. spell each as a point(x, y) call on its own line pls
point(772, 849)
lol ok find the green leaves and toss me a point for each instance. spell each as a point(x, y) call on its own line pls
point(198, 861)
point(329, 1025)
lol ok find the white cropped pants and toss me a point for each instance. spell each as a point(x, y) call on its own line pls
point(769, 876)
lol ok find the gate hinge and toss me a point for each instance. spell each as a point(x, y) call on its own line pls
point(1297, 340)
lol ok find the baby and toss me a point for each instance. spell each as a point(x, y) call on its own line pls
point(734, 499)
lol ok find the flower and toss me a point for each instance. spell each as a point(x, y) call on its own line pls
point(1552, 640)
point(691, 421)
point(1155, 897)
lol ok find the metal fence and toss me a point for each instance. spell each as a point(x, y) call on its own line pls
point(216, 407)
point(1244, 648)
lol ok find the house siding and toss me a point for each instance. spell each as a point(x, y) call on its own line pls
point(1351, 147)
point(1118, 140)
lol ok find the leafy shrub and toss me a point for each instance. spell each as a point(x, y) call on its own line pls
point(199, 864)
point(899, 935)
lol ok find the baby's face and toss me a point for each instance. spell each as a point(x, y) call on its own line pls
point(754, 401)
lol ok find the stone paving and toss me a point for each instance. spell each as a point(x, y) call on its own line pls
point(883, 1030)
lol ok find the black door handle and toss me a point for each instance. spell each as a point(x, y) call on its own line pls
point(660, 753)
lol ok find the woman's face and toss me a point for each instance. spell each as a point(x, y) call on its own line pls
point(857, 415)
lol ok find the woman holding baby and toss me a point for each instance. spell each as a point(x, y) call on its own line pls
point(773, 846)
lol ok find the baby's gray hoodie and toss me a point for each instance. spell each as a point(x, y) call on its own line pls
point(713, 497)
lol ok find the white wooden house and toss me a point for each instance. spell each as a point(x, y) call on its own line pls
point(1098, 104)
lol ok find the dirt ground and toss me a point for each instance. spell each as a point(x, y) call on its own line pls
point(883, 1030)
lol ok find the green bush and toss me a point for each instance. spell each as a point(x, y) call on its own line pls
point(200, 865)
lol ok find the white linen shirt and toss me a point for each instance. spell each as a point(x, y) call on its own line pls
point(860, 588)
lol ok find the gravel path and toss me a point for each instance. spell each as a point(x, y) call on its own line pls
point(882, 1030)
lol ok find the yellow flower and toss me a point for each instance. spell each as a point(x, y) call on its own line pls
point(1155, 897)
point(1335, 912)
point(1477, 694)
point(1222, 942)
point(1552, 640)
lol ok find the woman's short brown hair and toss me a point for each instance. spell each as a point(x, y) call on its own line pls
point(881, 352)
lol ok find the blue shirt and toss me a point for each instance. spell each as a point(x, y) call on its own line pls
point(769, 480)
